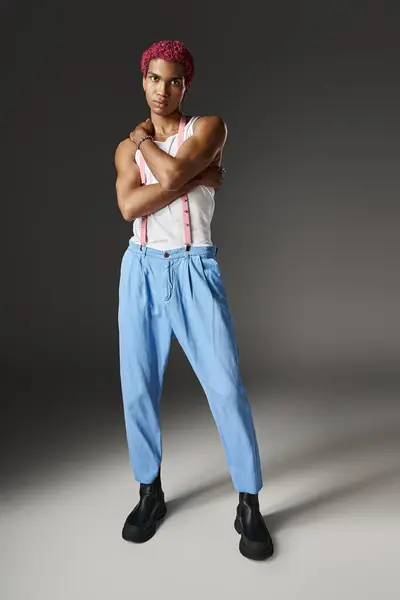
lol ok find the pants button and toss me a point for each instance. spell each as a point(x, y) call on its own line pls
point(166, 254)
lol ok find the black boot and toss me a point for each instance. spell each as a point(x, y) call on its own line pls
point(256, 542)
point(141, 523)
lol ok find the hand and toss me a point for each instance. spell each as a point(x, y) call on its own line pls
point(144, 128)
point(212, 176)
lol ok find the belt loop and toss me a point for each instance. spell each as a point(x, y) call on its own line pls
point(187, 247)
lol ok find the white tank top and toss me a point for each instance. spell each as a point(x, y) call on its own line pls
point(165, 230)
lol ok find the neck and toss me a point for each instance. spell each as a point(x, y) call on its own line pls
point(165, 125)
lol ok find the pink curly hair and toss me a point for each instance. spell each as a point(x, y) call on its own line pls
point(171, 50)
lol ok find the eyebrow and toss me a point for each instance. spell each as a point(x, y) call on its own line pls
point(156, 75)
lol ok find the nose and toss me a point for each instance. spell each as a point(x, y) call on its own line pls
point(162, 88)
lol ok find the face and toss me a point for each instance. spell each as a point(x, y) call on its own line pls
point(164, 86)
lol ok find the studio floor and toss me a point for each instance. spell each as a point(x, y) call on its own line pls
point(331, 467)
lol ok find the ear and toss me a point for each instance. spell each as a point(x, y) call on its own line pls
point(144, 82)
point(185, 91)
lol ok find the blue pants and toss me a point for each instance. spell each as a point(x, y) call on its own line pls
point(180, 293)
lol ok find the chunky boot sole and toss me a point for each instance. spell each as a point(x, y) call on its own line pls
point(130, 533)
point(252, 550)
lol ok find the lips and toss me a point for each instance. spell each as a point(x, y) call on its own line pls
point(159, 104)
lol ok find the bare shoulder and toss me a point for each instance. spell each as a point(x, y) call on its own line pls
point(126, 149)
point(126, 146)
point(210, 124)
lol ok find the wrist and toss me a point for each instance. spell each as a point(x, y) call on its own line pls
point(142, 139)
point(191, 185)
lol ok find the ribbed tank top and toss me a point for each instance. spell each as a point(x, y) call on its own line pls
point(165, 229)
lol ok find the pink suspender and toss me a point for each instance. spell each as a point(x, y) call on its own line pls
point(143, 229)
point(184, 198)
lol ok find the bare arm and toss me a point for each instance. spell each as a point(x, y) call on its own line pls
point(134, 199)
point(137, 200)
point(195, 154)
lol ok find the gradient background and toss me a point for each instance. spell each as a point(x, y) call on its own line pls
point(307, 225)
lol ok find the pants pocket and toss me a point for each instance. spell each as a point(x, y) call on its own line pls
point(212, 275)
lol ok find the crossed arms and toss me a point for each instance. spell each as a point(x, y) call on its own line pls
point(195, 164)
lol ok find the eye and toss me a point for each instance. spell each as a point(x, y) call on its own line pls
point(176, 81)
point(153, 77)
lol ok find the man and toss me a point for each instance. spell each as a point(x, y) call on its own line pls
point(171, 286)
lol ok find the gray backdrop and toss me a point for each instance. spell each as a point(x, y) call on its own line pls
point(307, 222)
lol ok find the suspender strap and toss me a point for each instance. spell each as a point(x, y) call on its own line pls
point(184, 198)
point(143, 229)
